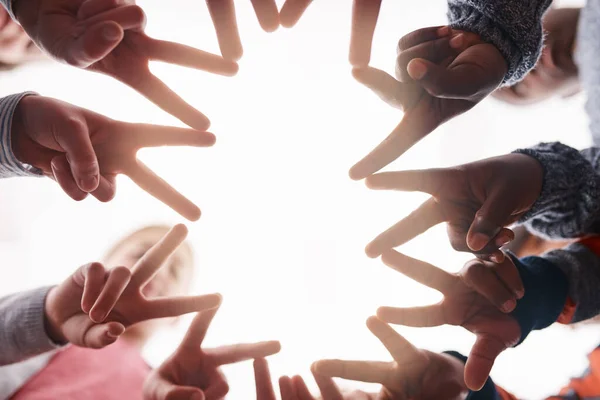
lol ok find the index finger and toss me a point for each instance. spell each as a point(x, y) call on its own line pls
point(420, 271)
point(262, 378)
point(364, 20)
point(224, 19)
point(417, 222)
point(244, 351)
point(329, 390)
point(147, 135)
point(147, 266)
point(400, 349)
point(267, 14)
point(363, 371)
point(197, 331)
point(415, 125)
point(292, 11)
point(394, 93)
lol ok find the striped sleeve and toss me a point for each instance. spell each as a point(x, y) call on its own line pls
point(9, 165)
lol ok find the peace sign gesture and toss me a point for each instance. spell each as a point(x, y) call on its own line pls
point(193, 372)
point(94, 306)
point(477, 200)
point(84, 151)
point(414, 373)
point(432, 93)
point(107, 36)
point(471, 300)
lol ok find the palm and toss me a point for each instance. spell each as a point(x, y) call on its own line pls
point(461, 306)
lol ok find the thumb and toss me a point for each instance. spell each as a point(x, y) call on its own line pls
point(99, 336)
point(463, 81)
point(96, 42)
point(481, 360)
point(158, 387)
point(495, 214)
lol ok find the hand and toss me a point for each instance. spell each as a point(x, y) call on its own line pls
point(94, 306)
point(478, 200)
point(556, 71)
point(464, 305)
point(414, 374)
point(435, 93)
point(84, 151)
point(107, 36)
point(195, 373)
point(295, 388)
point(15, 46)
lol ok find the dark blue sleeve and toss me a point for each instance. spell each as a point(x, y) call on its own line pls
point(487, 392)
point(546, 289)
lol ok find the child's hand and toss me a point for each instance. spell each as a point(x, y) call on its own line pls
point(84, 151)
point(15, 46)
point(556, 71)
point(434, 93)
point(472, 300)
point(295, 388)
point(195, 373)
point(108, 36)
point(477, 200)
point(414, 373)
point(94, 306)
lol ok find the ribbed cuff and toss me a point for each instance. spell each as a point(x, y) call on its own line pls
point(570, 186)
point(546, 290)
point(9, 165)
point(8, 4)
point(487, 392)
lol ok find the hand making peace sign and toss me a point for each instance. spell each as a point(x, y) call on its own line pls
point(84, 151)
point(107, 36)
point(94, 306)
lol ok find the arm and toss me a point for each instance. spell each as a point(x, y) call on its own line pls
point(569, 203)
point(22, 326)
point(10, 166)
point(514, 27)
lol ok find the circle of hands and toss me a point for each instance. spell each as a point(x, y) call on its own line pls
point(440, 74)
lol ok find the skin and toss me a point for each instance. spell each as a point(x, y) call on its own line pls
point(95, 305)
point(84, 151)
point(15, 46)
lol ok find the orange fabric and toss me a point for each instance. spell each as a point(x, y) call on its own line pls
point(504, 395)
point(592, 243)
point(568, 312)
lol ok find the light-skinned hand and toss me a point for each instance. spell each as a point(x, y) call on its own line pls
point(193, 372)
point(84, 151)
point(94, 306)
point(477, 299)
point(15, 46)
point(478, 201)
point(414, 373)
point(107, 36)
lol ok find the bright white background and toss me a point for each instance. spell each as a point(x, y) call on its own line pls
point(283, 227)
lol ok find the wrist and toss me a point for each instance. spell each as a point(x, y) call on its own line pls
point(51, 320)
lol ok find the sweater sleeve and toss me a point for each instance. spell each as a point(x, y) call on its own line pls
point(513, 26)
point(9, 165)
point(569, 204)
point(8, 4)
point(22, 330)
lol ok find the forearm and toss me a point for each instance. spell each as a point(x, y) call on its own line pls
point(569, 203)
point(513, 26)
point(10, 166)
point(22, 326)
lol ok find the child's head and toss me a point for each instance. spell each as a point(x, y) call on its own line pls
point(173, 279)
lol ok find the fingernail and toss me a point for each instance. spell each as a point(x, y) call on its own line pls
point(495, 258)
point(478, 241)
point(111, 32)
point(509, 306)
point(443, 31)
point(417, 70)
point(502, 241)
point(88, 183)
point(111, 335)
point(457, 41)
point(520, 294)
